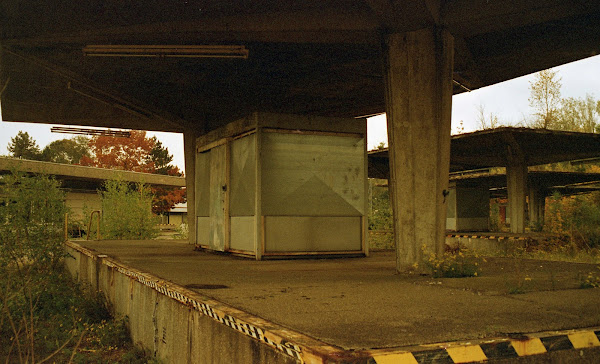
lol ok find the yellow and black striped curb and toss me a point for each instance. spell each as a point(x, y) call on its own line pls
point(490, 237)
point(497, 349)
point(312, 351)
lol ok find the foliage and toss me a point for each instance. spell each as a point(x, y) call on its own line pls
point(577, 217)
point(35, 312)
point(545, 97)
point(23, 146)
point(486, 122)
point(126, 211)
point(381, 239)
point(460, 128)
point(45, 315)
point(554, 112)
point(128, 154)
point(454, 263)
point(139, 154)
point(380, 212)
point(161, 159)
point(164, 198)
point(182, 231)
point(32, 211)
point(70, 324)
point(66, 151)
point(496, 223)
point(578, 114)
point(591, 280)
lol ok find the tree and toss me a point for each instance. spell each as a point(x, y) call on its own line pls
point(140, 154)
point(578, 115)
point(545, 97)
point(67, 151)
point(23, 146)
point(128, 154)
point(161, 158)
point(484, 122)
point(164, 197)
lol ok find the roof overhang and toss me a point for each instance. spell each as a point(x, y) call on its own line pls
point(311, 57)
point(490, 148)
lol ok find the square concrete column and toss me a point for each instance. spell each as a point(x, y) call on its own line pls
point(468, 206)
point(516, 181)
point(537, 205)
point(418, 80)
point(189, 150)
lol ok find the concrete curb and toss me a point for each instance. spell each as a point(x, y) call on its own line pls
point(306, 349)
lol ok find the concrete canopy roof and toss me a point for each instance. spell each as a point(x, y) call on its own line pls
point(87, 178)
point(315, 57)
point(489, 148)
point(566, 183)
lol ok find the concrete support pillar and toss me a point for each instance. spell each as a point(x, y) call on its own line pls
point(189, 149)
point(468, 206)
point(537, 206)
point(418, 80)
point(516, 180)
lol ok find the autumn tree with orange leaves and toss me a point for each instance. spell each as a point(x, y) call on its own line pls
point(139, 154)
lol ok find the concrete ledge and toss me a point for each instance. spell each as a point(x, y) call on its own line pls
point(180, 325)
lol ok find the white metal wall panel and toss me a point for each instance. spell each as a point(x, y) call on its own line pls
point(243, 176)
point(313, 175)
point(202, 184)
point(312, 234)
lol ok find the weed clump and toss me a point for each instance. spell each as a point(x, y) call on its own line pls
point(591, 280)
point(455, 263)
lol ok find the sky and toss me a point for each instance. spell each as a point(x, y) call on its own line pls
point(507, 100)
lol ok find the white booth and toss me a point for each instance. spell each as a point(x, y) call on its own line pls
point(274, 185)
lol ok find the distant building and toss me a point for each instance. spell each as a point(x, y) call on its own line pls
point(176, 216)
point(82, 183)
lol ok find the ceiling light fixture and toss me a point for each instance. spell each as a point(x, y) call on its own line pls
point(84, 131)
point(189, 51)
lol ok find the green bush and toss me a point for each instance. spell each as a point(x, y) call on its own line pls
point(32, 213)
point(127, 211)
point(380, 211)
point(44, 314)
point(577, 217)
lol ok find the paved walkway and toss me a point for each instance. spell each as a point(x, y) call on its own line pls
point(361, 303)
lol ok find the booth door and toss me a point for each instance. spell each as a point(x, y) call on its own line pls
point(218, 193)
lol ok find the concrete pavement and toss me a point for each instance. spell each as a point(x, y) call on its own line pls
point(361, 303)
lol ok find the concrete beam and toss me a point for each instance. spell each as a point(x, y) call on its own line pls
point(418, 79)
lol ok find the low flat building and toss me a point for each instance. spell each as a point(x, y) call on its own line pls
point(82, 183)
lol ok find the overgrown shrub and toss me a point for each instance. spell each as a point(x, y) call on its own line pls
point(380, 211)
point(577, 217)
point(127, 211)
point(32, 212)
point(45, 316)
